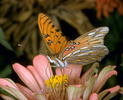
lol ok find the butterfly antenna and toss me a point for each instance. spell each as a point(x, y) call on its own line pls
point(20, 45)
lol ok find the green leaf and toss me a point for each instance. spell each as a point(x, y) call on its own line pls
point(3, 42)
point(6, 71)
point(6, 44)
point(2, 36)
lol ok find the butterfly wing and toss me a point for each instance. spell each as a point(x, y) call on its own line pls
point(53, 37)
point(87, 48)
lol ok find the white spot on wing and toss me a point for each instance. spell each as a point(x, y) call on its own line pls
point(84, 48)
point(98, 46)
point(98, 35)
point(76, 51)
point(105, 29)
point(83, 54)
point(92, 33)
point(66, 56)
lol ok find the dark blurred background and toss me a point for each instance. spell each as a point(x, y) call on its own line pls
point(18, 25)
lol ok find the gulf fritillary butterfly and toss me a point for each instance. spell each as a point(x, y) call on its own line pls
point(86, 49)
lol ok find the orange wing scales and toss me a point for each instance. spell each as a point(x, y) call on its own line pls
point(53, 37)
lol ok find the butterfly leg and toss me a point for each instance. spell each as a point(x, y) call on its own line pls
point(62, 70)
point(54, 66)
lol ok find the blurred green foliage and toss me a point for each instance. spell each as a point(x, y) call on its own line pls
point(6, 52)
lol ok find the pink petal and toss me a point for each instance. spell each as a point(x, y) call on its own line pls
point(26, 77)
point(109, 93)
point(98, 84)
point(121, 90)
point(43, 67)
point(114, 67)
point(89, 73)
point(6, 97)
point(40, 97)
point(93, 96)
point(74, 92)
point(5, 83)
point(18, 94)
point(83, 78)
point(36, 76)
point(89, 87)
point(78, 99)
point(78, 86)
point(26, 92)
point(113, 89)
point(71, 70)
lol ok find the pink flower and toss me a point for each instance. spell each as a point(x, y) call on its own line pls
point(65, 85)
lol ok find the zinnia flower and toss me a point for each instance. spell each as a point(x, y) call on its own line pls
point(104, 7)
point(65, 85)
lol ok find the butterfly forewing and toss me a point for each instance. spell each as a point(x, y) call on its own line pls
point(87, 48)
point(53, 37)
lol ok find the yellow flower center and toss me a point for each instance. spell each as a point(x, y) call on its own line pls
point(56, 81)
point(56, 87)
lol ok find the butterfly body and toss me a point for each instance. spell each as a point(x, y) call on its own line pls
point(86, 49)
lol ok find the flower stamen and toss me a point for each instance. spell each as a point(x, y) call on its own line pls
point(56, 86)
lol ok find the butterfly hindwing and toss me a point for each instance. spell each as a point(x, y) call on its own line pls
point(87, 48)
point(53, 37)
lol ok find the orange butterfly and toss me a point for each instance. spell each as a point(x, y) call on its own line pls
point(86, 49)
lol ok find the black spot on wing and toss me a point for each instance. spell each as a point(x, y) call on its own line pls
point(57, 30)
point(53, 26)
point(59, 42)
point(48, 43)
point(45, 36)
